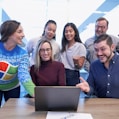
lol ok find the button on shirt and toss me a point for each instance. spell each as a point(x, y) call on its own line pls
point(105, 82)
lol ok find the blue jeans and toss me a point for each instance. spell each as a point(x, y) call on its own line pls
point(14, 93)
point(72, 77)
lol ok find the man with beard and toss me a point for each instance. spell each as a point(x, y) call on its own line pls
point(103, 80)
point(101, 27)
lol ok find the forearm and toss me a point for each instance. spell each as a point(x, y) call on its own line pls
point(29, 87)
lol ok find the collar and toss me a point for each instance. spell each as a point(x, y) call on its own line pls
point(114, 58)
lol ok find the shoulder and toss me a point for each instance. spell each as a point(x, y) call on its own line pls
point(20, 50)
point(96, 63)
point(114, 38)
point(116, 57)
point(1, 43)
point(55, 46)
point(80, 45)
point(33, 40)
point(53, 41)
point(57, 63)
point(32, 68)
point(2, 47)
point(89, 41)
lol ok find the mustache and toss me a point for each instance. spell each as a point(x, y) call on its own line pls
point(108, 57)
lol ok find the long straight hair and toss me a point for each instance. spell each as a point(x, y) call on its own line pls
point(37, 57)
point(76, 37)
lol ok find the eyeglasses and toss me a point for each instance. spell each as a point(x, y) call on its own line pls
point(102, 27)
point(43, 50)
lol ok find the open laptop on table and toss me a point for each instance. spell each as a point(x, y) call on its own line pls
point(56, 98)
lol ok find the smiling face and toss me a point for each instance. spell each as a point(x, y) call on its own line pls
point(45, 51)
point(17, 36)
point(101, 27)
point(103, 51)
point(50, 31)
point(69, 33)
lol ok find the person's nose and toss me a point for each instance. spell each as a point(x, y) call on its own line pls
point(45, 51)
point(23, 35)
point(99, 52)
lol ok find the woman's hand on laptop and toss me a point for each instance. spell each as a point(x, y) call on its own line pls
point(83, 85)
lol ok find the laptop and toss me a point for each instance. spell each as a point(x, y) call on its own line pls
point(56, 98)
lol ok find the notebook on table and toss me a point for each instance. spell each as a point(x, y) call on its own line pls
point(56, 98)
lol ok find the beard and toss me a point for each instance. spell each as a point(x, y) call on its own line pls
point(107, 58)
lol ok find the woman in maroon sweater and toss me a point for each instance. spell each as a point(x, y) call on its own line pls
point(46, 71)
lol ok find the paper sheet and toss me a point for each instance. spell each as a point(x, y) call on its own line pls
point(68, 115)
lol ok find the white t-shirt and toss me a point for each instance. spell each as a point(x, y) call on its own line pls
point(78, 49)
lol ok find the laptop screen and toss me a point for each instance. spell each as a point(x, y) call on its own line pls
point(56, 98)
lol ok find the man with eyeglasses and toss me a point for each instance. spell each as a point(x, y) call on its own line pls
point(101, 27)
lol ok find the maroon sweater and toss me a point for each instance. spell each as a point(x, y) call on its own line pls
point(51, 73)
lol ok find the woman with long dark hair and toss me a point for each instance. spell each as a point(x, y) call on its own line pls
point(73, 53)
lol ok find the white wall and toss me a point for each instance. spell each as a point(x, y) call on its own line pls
point(33, 15)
